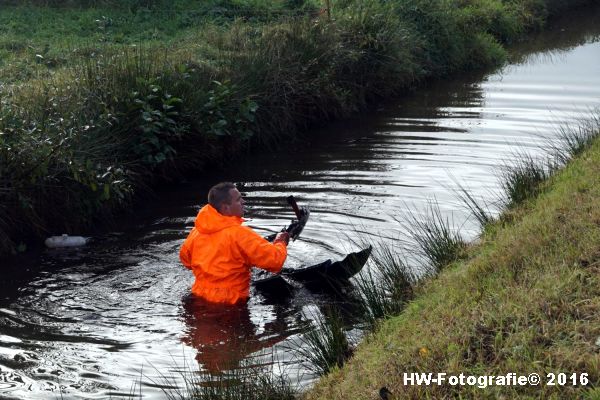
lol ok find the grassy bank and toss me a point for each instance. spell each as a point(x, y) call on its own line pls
point(100, 99)
point(526, 299)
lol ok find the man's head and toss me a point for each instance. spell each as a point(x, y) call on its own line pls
point(226, 199)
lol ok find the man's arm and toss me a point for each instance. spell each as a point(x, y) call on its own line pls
point(260, 253)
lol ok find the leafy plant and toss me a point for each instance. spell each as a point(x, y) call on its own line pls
point(223, 115)
point(156, 115)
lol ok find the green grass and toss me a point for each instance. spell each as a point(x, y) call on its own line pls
point(36, 40)
point(257, 385)
point(573, 140)
point(526, 300)
point(324, 345)
point(101, 100)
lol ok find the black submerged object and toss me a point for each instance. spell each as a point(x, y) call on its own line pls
point(322, 276)
point(272, 285)
point(331, 271)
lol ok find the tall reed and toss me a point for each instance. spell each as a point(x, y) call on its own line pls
point(479, 209)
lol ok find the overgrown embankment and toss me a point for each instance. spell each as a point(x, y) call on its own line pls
point(89, 119)
point(525, 300)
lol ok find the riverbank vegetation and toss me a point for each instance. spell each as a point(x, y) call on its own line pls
point(100, 100)
point(249, 382)
point(525, 299)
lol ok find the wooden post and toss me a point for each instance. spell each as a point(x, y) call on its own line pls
point(328, 8)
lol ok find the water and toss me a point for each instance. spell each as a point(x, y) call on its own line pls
point(92, 322)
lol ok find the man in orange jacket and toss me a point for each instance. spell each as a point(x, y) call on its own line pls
point(220, 251)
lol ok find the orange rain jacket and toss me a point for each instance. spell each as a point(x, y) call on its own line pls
point(220, 252)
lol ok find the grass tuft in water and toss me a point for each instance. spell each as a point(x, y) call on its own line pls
point(241, 386)
point(522, 179)
point(437, 239)
point(324, 346)
point(479, 209)
point(249, 382)
point(573, 140)
point(384, 293)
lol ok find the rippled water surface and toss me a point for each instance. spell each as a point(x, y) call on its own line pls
point(92, 322)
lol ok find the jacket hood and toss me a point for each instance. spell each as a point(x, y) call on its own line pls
point(209, 220)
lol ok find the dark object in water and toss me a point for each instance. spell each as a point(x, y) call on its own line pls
point(272, 284)
point(328, 270)
point(322, 276)
point(330, 274)
point(297, 225)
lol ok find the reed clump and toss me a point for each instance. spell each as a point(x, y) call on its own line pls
point(257, 385)
point(522, 179)
point(437, 238)
point(324, 345)
point(384, 289)
point(574, 139)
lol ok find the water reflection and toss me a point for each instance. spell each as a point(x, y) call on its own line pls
point(224, 335)
point(548, 46)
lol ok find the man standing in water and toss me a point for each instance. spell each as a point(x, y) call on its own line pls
point(220, 251)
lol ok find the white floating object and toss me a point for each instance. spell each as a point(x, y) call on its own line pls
point(65, 241)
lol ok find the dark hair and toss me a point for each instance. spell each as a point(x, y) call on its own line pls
point(219, 194)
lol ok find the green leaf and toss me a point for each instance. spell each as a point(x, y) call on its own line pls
point(106, 192)
point(173, 100)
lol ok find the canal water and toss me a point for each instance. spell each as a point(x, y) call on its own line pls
point(114, 319)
